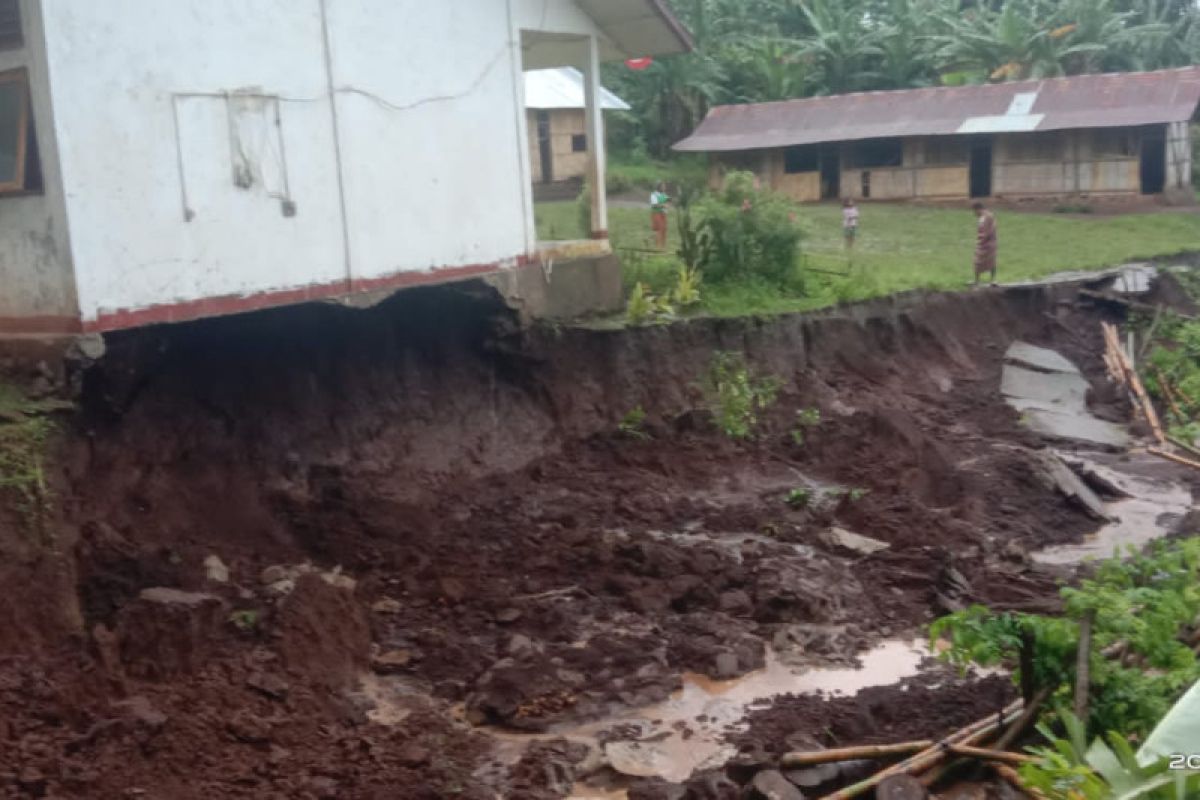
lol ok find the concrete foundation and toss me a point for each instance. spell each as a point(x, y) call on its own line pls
point(565, 284)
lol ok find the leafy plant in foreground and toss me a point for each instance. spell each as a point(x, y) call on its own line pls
point(736, 396)
point(631, 424)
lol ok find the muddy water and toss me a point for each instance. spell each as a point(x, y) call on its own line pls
point(1154, 504)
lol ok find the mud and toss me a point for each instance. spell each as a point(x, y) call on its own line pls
point(484, 537)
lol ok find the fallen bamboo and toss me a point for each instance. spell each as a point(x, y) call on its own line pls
point(970, 735)
point(805, 759)
point(1139, 390)
point(1006, 740)
point(1172, 457)
point(1083, 663)
point(1014, 778)
point(1184, 446)
point(1167, 393)
point(990, 755)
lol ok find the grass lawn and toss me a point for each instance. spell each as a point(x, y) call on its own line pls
point(899, 247)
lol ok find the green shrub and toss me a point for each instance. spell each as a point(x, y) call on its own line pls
point(745, 232)
point(736, 395)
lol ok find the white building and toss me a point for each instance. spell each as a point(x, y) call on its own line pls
point(164, 161)
point(556, 118)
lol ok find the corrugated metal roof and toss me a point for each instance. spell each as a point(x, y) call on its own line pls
point(1084, 101)
point(563, 88)
point(639, 27)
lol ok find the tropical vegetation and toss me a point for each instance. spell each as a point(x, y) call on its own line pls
point(762, 50)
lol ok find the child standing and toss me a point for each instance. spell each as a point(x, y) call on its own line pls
point(849, 222)
point(658, 215)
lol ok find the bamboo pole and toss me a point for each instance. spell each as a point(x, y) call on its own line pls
point(1138, 389)
point(1172, 457)
point(990, 755)
point(799, 759)
point(1167, 393)
point(970, 735)
point(1182, 445)
point(1014, 778)
point(1083, 664)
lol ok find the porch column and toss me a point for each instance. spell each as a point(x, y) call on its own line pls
point(594, 126)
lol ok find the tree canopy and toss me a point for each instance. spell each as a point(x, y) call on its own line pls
point(761, 50)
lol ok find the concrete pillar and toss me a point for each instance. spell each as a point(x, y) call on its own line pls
point(594, 125)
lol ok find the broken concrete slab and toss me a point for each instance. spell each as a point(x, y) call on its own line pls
point(1137, 278)
point(1061, 388)
point(842, 539)
point(1038, 358)
point(1064, 479)
point(1078, 428)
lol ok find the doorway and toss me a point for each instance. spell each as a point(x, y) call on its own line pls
point(1154, 162)
point(545, 148)
point(831, 174)
point(981, 168)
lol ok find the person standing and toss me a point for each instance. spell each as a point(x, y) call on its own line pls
point(658, 215)
point(849, 222)
point(985, 242)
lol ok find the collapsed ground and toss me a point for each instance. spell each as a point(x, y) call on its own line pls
point(487, 537)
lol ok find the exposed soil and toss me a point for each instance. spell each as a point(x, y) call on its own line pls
point(482, 534)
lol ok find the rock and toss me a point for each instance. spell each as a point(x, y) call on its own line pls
point(215, 570)
point(336, 578)
point(386, 605)
point(735, 602)
point(519, 644)
point(842, 539)
point(271, 685)
point(726, 666)
point(273, 574)
point(711, 786)
point(771, 785)
point(167, 632)
point(452, 589)
point(900, 787)
point(655, 789)
point(816, 779)
point(506, 616)
point(638, 759)
point(391, 661)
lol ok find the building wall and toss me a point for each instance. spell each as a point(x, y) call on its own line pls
point(1104, 161)
point(302, 148)
point(35, 261)
point(565, 124)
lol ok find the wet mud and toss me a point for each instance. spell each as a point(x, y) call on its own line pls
point(324, 552)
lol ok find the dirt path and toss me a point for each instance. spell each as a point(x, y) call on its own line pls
point(488, 544)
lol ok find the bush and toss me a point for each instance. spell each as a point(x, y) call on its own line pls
point(737, 395)
point(745, 232)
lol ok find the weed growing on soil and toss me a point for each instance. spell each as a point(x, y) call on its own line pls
point(631, 424)
point(805, 418)
point(245, 620)
point(736, 396)
point(1145, 611)
point(798, 498)
point(644, 306)
point(23, 438)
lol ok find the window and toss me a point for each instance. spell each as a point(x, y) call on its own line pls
point(942, 151)
point(878, 153)
point(579, 143)
point(11, 36)
point(20, 169)
point(1047, 146)
point(1113, 143)
point(805, 158)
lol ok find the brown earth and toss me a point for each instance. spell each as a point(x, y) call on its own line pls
point(483, 533)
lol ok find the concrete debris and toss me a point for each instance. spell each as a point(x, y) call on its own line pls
point(1134, 279)
point(215, 570)
point(636, 759)
point(842, 539)
point(1057, 474)
point(771, 785)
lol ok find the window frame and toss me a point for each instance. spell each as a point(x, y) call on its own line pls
point(18, 42)
point(19, 76)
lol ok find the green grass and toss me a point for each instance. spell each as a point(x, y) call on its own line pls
point(899, 247)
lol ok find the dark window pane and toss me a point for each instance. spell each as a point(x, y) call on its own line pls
point(10, 25)
point(579, 143)
point(879, 153)
point(806, 158)
point(12, 100)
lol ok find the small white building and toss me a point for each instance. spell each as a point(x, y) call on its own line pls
point(557, 122)
point(164, 161)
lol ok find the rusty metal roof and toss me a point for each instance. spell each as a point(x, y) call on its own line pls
point(1084, 101)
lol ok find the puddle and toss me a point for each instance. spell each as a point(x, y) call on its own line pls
point(1147, 514)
